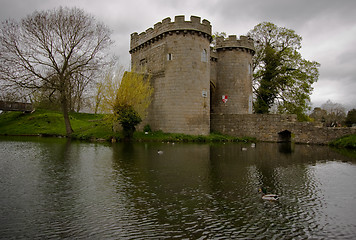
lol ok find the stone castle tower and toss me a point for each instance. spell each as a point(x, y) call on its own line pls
point(190, 79)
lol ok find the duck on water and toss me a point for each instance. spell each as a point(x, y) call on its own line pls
point(268, 197)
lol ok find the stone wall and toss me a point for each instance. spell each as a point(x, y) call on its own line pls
point(233, 75)
point(275, 128)
point(161, 29)
point(177, 56)
point(189, 80)
point(234, 80)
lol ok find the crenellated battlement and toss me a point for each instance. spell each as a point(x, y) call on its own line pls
point(192, 79)
point(232, 42)
point(160, 29)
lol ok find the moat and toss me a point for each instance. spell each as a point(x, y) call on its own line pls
point(54, 188)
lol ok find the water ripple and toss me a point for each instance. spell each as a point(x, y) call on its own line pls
point(90, 191)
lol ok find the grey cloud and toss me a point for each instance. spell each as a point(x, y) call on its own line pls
point(328, 28)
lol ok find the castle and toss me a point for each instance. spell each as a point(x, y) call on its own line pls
point(198, 89)
point(191, 80)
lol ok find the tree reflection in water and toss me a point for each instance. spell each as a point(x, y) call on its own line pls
point(62, 189)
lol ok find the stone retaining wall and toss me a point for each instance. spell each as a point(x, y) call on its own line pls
point(275, 128)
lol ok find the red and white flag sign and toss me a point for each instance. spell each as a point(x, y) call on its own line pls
point(224, 98)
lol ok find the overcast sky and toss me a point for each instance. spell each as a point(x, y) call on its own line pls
point(328, 28)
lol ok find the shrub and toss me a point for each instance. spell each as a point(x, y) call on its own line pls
point(128, 118)
point(147, 128)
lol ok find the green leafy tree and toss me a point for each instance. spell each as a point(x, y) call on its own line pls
point(132, 100)
point(127, 96)
point(281, 75)
point(351, 118)
point(128, 118)
point(215, 35)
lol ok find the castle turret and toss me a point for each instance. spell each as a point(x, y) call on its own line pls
point(232, 89)
point(177, 55)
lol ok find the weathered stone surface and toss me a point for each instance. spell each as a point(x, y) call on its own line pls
point(184, 70)
point(268, 127)
point(189, 79)
point(180, 68)
point(233, 80)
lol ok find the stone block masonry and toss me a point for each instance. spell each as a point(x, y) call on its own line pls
point(184, 68)
point(176, 55)
point(161, 29)
point(199, 89)
point(275, 128)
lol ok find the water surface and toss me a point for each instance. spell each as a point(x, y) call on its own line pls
point(54, 188)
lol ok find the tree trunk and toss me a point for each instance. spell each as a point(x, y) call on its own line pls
point(65, 109)
point(69, 129)
point(97, 102)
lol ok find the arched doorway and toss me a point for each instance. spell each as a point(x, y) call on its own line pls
point(285, 136)
point(212, 92)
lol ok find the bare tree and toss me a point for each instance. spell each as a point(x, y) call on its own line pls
point(14, 95)
point(98, 96)
point(81, 81)
point(334, 108)
point(50, 49)
point(336, 113)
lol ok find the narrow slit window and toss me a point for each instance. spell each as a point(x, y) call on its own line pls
point(204, 56)
point(143, 62)
point(169, 57)
point(249, 69)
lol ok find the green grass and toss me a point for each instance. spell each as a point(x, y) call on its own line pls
point(345, 142)
point(46, 122)
point(90, 127)
point(40, 122)
point(178, 137)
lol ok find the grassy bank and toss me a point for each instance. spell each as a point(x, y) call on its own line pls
point(51, 123)
point(177, 137)
point(89, 127)
point(345, 142)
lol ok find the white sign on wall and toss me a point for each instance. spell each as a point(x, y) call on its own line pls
point(224, 98)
